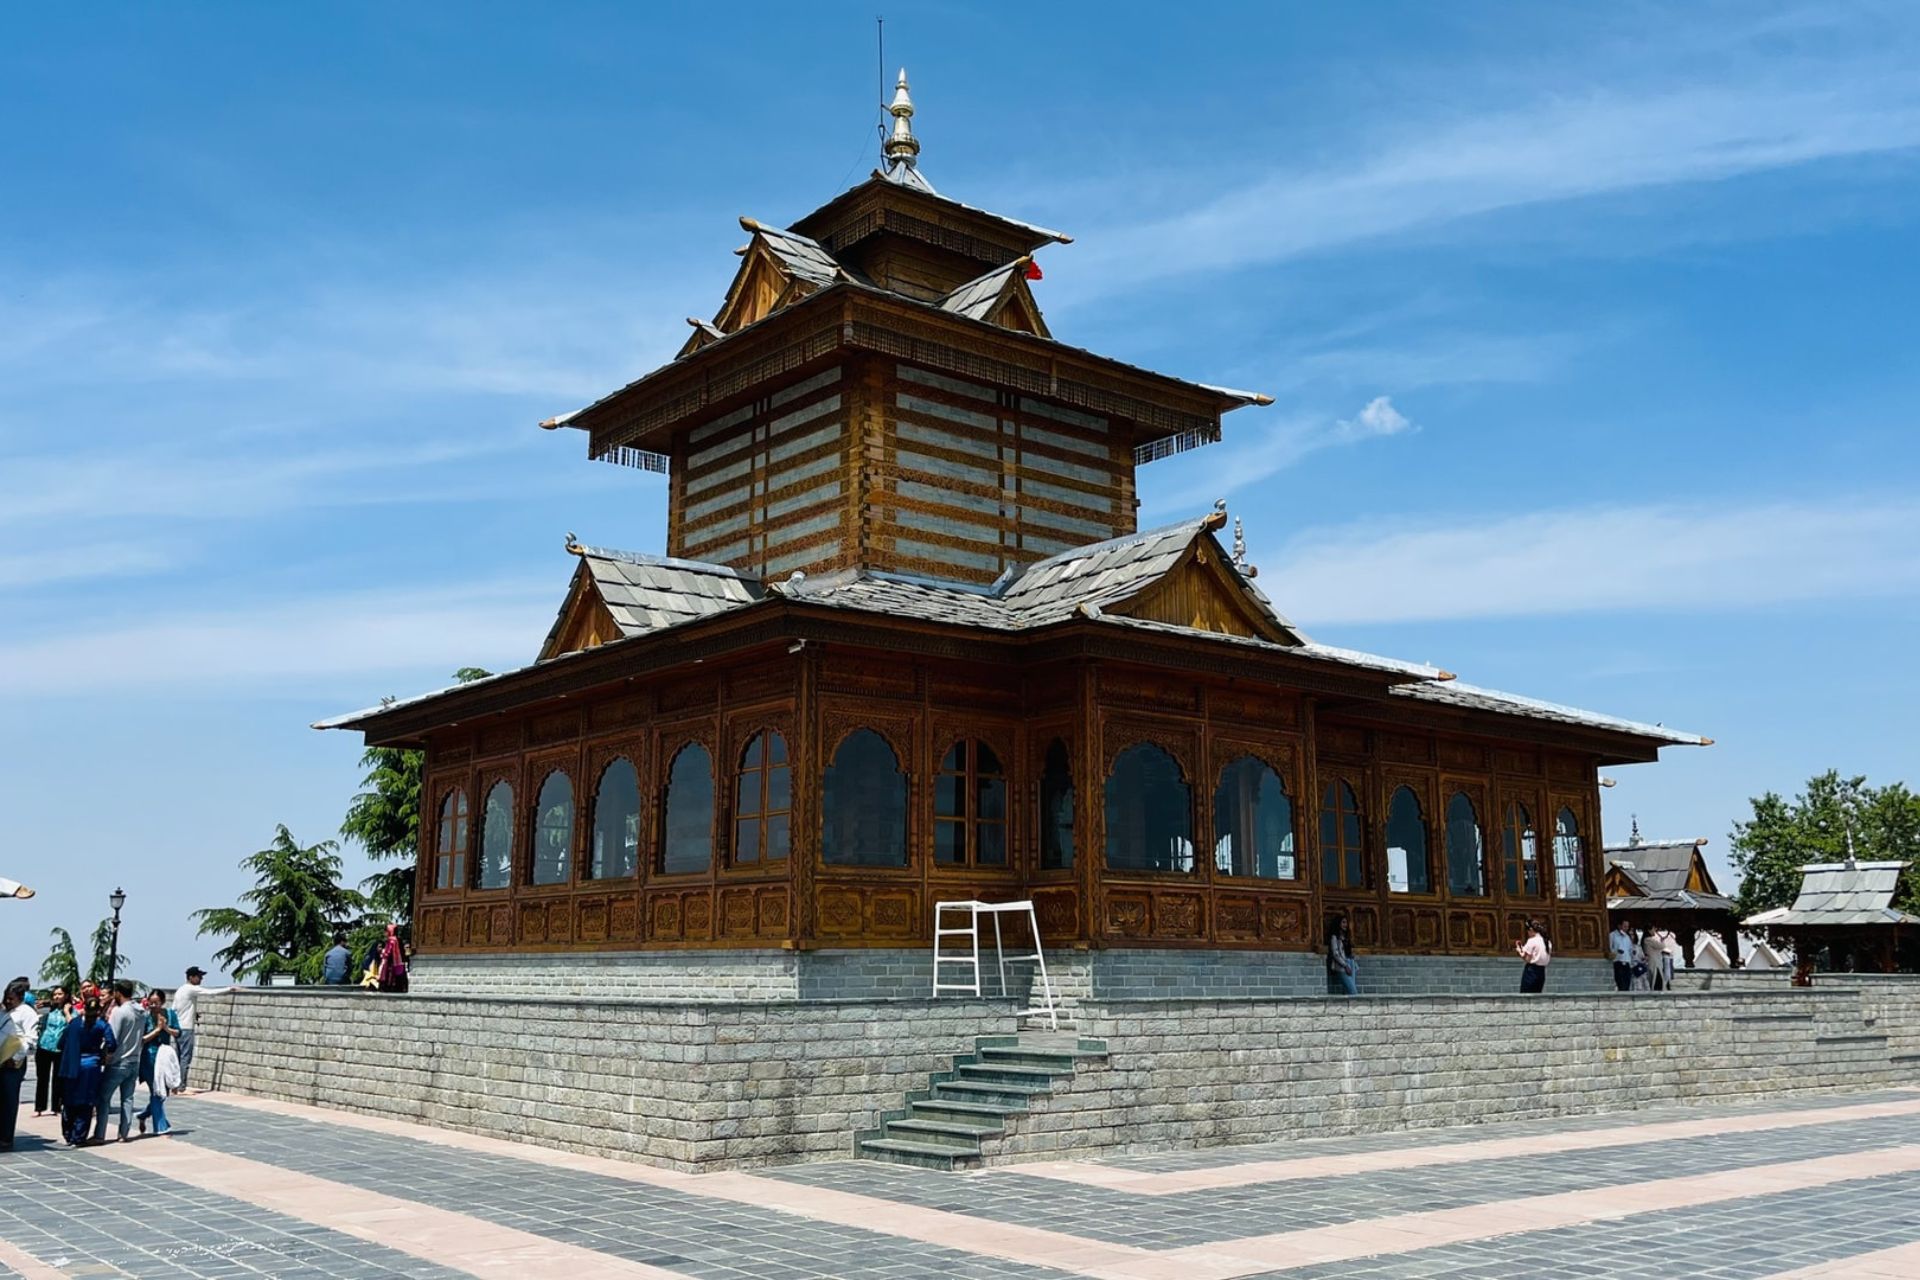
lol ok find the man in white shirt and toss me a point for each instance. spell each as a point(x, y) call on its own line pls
point(18, 1022)
point(1620, 943)
point(185, 1001)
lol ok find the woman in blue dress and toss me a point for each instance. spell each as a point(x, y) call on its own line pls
point(84, 1046)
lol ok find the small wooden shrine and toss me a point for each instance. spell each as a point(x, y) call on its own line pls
point(1844, 919)
point(1666, 883)
point(907, 644)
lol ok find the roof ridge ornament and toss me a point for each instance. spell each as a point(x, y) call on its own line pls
point(901, 147)
point(1633, 838)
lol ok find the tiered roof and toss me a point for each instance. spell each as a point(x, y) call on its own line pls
point(1841, 894)
point(1661, 875)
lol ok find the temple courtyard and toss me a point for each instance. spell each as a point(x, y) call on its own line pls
point(1818, 1185)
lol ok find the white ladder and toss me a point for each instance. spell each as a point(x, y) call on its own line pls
point(969, 961)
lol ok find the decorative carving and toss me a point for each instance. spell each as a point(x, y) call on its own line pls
point(772, 906)
point(1127, 916)
point(561, 726)
point(1458, 933)
point(1151, 690)
point(1364, 923)
point(621, 713)
point(498, 739)
point(1341, 739)
point(1058, 912)
point(1462, 755)
point(1426, 927)
point(697, 910)
point(559, 920)
point(1284, 920)
point(626, 918)
point(500, 926)
point(891, 912)
point(1525, 763)
point(1406, 748)
point(665, 917)
point(590, 920)
point(1260, 708)
point(872, 678)
point(1400, 929)
point(478, 928)
point(1236, 918)
point(1178, 915)
point(839, 912)
point(1569, 769)
point(736, 913)
point(681, 694)
point(1175, 741)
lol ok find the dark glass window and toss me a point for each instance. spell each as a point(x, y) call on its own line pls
point(1343, 859)
point(1466, 850)
point(864, 804)
point(1522, 848)
point(496, 838)
point(553, 831)
point(1569, 858)
point(1056, 809)
point(687, 829)
point(1253, 823)
point(616, 823)
point(1149, 812)
point(1408, 870)
point(763, 801)
point(970, 807)
point(451, 871)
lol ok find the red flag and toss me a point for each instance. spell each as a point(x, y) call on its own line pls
point(1033, 270)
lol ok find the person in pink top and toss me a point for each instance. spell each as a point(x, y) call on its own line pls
point(1536, 953)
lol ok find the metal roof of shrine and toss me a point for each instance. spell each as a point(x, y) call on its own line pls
point(1842, 893)
point(647, 595)
point(1661, 870)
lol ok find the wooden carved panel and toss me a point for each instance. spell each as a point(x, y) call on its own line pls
point(871, 676)
point(500, 925)
point(1525, 763)
point(1235, 918)
point(696, 913)
point(1149, 690)
point(1426, 927)
point(590, 920)
point(533, 922)
point(1569, 769)
point(1484, 926)
point(1179, 915)
point(770, 908)
point(1587, 931)
point(1254, 706)
point(685, 693)
point(1341, 739)
point(1462, 755)
point(478, 930)
point(839, 913)
point(560, 726)
point(1177, 740)
point(559, 920)
point(621, 713)
point(1364, 923)
point(1058, 911)
point(1406, 748)
point(1517, 927)
point(625, 918)
point(984, 693)
point(890, 913)
point(736, 913)
point(1284, 921)
point(1127, 915)
point(763, 682)
point(663, 918)
point(497, 739)
point(1400, 929)
point(1459, 932)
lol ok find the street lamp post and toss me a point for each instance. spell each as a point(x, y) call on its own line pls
point(117, 899)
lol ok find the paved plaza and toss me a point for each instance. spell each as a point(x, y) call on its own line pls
point(1816, 1186)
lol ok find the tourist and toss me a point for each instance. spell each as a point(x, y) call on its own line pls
point(47, 1091)
point(17, 1037)
point(393, 962)
point(1653, 954)
point(1674, 958)
point(162, 1031)
point(1535, 953)
point(85, 1047)
point(121, 1075)
point(186, 1004)
point(1620, 944)
point(1340, 963)
point(337, 965)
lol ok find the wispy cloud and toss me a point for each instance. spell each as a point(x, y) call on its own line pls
point(1667, 557)
point(78, 563)
point(367, 635)
point(1555, 147)
point(1198, 478)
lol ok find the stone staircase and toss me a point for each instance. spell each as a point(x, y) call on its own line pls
point(943, 1127)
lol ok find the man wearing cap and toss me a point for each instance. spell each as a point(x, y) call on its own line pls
point(183, 1007)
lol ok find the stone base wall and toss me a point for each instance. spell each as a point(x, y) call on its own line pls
point(689, 1086)
point(1890, 1001)
point(1189, 1073)
point(902, 974)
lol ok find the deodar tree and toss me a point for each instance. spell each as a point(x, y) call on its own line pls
point(1815, 826)
point(286, 922)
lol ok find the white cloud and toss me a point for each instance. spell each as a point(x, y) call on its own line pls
point(1378, 418)
point(67, 563)
point(1267, 447)
point(1667, 558)
point(365, 635)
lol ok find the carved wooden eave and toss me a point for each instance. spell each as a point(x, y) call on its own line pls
point(879, 207)
point(1204, 594)
point(847, 317)
point(1610, 747)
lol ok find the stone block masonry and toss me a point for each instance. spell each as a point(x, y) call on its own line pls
point(684, 1085)
point(1204, 1073)
point(1890, 1001)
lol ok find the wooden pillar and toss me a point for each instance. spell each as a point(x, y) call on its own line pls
point(1090, 795)
point(808, 773)
point(1730, 936)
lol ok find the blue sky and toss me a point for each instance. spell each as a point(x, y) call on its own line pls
point(1591, 333)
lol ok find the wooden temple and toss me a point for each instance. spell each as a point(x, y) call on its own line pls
point(1667, 883)
point(907, 644)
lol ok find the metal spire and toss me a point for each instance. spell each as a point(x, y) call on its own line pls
point(1239, 544)
point(901, 148)
point(1634, 839)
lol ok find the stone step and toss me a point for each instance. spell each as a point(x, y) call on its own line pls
point(1008, 1097)
point(1059, 1064)
point(958, 1112)
point(997, 1073)
point(923, 1155)
point(943, 1133)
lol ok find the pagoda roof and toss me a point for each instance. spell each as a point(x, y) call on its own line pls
point(1842, 894)
point(1099, 585)
point(910, 188)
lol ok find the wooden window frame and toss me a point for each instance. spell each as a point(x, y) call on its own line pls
point(762, 774)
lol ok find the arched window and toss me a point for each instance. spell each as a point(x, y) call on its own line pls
point(1522, 848)
point(1253, 823)
point(1408, 870)
point(1343, 858)
point(1569, 858)
point(864, 804)
point(1056, 809)
point(1149, 812)
point(970, 807)
point(496, 838)
point(686, 843)
point(616, 823)
point(450, 871)
point(1466, 850)
point(553, 831)
point(763, 801)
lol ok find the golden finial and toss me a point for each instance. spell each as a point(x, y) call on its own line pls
point(901, 147)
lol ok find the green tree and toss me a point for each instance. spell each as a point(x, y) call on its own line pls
point(103, 954)
point(1781, 837)
point(384, 819)
point(61, 968)
point(287, 920)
